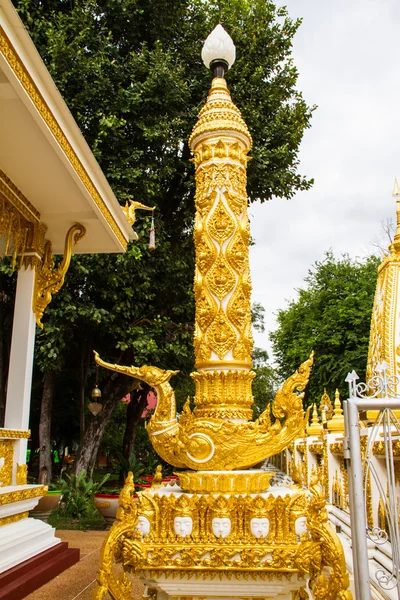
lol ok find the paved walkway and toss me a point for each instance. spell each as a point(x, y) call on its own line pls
point(78, 582)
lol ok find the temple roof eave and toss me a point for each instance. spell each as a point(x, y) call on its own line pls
point(46, 156)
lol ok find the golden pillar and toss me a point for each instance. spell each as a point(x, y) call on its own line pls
point(223, 340)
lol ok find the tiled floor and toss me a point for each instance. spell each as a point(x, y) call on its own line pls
point(78, 582)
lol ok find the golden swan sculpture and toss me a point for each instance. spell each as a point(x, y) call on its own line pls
point(211, 444)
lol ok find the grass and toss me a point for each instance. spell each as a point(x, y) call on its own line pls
point(92, 520)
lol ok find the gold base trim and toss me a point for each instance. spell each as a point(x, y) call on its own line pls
point(25, 494)
point(13, 518)
point(218, 364)
point(234, 483)
point(17, 434)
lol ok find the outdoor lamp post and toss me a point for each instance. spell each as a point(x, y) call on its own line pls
point(218, 52)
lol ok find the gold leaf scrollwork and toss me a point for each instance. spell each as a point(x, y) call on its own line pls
point(49, 280)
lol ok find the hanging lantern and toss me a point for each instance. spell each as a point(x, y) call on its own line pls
point(95, 406)
point(152, 240)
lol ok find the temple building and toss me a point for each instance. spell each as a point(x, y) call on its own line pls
point(54, 199)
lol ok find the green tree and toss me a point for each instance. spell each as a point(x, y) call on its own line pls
point(131, 74)
point(332, 316)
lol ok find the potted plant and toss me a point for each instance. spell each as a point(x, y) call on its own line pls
point(77, 509)
point(48, 502)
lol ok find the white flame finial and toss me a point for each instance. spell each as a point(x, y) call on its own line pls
point(218, 45)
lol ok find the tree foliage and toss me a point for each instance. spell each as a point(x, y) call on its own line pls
point(131, 74)
point(332, 316)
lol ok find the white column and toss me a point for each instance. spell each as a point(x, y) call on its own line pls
point(21, 360)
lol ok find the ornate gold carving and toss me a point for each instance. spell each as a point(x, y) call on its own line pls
point(217, 115)
point(118, 545)
point(15, 228)
point(220, 336)
point(223, 394)
point(26, 494)
point(379, 448)
point(325, 467)
point(250, 482)
point(336, 423)
point(220, 278)
point(336, 448)
point(221, 225)
point(345, 482)
point(325, 406)
point(13, 518)
point(331, 550)
point(6, 462)
point(17, 199)
point(16, 64)
point(18, 434)
point(229, 445)
point(301, 447)
point(237, 309)
point(130, 208)
point(22, 474)
point(49, 280)
point(315, 428)
point(161, 552)
point(383, 334)
point(300, 594)
point(316, 448)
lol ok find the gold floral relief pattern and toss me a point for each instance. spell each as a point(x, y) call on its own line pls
point(221, 225)
point(205, 253)
point(237, 253)
point(237, 309)
point(6, 462)
point(220, 335)
point(206, 309)
point(220, 278)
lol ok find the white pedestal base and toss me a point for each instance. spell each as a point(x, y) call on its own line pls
point(24, 539)
point(216, 589)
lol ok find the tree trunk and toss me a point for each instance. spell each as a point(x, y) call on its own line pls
point(116, 388)
point(45, 428)
point(84, 366)
point(133, 414)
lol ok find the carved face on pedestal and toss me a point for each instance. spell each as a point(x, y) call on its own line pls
point(259, 527)
point(183, 526)
point(221, 526)
point(300, 526)
point(143, 525)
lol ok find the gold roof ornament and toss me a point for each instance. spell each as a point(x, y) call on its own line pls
point(130, 208)
point(325, 407)
point(336, 424)
point(219, 434)
point(315, 427)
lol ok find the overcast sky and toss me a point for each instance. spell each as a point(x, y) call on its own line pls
point(348, 56)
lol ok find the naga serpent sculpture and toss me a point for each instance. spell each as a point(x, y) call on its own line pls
point(207, 443)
